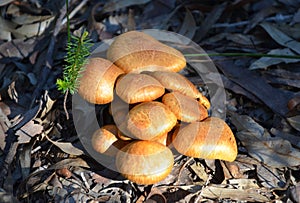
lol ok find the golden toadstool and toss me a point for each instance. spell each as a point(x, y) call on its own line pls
point(137, 51)
point(97, 82)
point(105, 140)
point(145, 162)
point(176, 82)
point(134, 88)
point(149, 120)
point(208, 139)
point(185, 108)
point(104, 137)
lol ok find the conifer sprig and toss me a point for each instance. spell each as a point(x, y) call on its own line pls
point(78, 49)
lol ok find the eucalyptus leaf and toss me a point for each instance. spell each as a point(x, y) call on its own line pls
point(265, 62)
point(295, 122)
point(274, 152)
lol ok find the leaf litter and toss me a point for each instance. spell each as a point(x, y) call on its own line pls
point(41, 156)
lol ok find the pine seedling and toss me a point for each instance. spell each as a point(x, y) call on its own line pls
point(78, 49)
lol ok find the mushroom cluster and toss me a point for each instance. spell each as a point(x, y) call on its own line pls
point(153, 107)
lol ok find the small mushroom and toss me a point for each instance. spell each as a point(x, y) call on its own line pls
point(185, 108)
point(134, 88)
point(148, 120)
point(105, 140)
point(104, 137)
point(97, 82)
point(145, 162)
point(176, 82)
point(208, 139)
point(137, 51)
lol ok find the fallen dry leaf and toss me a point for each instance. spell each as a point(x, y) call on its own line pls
point(265, 62)
point(67, 147)
point(274, 152)
point(28, 131)
point(281, 38)
point(223, 192)
point(295, 122)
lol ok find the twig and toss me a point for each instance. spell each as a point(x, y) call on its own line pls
point(65, 104)
point(75, 10)
point(181, 169)
point(199, 197)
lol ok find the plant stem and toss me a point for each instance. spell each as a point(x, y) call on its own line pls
point(246, 54)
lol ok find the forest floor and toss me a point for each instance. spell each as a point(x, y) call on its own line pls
point(43, 159)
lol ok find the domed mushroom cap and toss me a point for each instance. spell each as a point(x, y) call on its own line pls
point(105, 140)
point(185, 108)
point(137, 51)
point(209, 139)
point(175, 82)
point(97, 81)
point(104, 137)
point(134, 88)
point(148, 120)
point(145, 162)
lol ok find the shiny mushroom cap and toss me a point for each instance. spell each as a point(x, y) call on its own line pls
point(97, 82)
point(208, 139)
point(175, 82)
point(104, 137)
point(145, 162)
point(136, 51)
point(148, 120)
point(105, 140)
point(185, 108)
point(134, 88)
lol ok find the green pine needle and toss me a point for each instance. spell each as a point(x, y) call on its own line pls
point(78, 49)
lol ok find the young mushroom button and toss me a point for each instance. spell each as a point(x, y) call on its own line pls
point(136, 51)
point(145, 162)
point(97, 82)
point(208, 139)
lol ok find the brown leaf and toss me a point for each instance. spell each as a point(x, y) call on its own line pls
point(274, 152)
point(209, 21)
point(4, 125)
point(221, 192)
point(188, 27)
point(265, 62)
point(67, 147)
point(69, 162)
point(28, 131)
point(115, 5)
point(270, 177)
point(275, 99)
point(295, 122)
point(281, 38)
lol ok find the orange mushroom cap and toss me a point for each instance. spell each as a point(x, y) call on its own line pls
point(105, 140)
point(208, 139)
point(104, 137)
point(185, 108)
point(137, 51)
point(97, 82)
point(175, 82)
point(148, 120)
point(134, 88)
point(145, 162)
